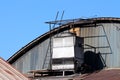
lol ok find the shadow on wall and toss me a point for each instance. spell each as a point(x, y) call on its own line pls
point(92, 62)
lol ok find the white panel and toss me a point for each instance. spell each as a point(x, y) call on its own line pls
point(58, 42)
point(63, 52)
point(66, 66)
point(63, 41)
point(68, 41)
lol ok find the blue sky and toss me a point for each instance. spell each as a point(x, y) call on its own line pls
point(21, 21)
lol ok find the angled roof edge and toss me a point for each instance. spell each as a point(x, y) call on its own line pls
point(41, 38)
point(8, 72)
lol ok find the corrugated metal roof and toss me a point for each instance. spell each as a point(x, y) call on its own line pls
point(109, 74)
point(7, 72)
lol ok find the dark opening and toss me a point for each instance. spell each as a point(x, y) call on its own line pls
point(92, 62)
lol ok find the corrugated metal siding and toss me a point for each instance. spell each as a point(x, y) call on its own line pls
point(112, 53)
point(113, 35)
point(7, 72)
point(34, 59)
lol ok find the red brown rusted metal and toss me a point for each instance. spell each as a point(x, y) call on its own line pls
point(7, 72)
point(109, 74)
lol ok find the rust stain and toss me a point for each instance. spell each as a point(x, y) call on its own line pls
point(7, 72)
point(111, 74)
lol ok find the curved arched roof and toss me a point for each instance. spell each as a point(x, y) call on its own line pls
point(79, 22)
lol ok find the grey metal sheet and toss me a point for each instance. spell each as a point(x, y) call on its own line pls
point(35, 57)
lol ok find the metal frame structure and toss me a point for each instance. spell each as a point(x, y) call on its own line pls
point(57, 27)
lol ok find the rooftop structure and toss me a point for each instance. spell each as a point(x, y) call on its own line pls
point(93, 45)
